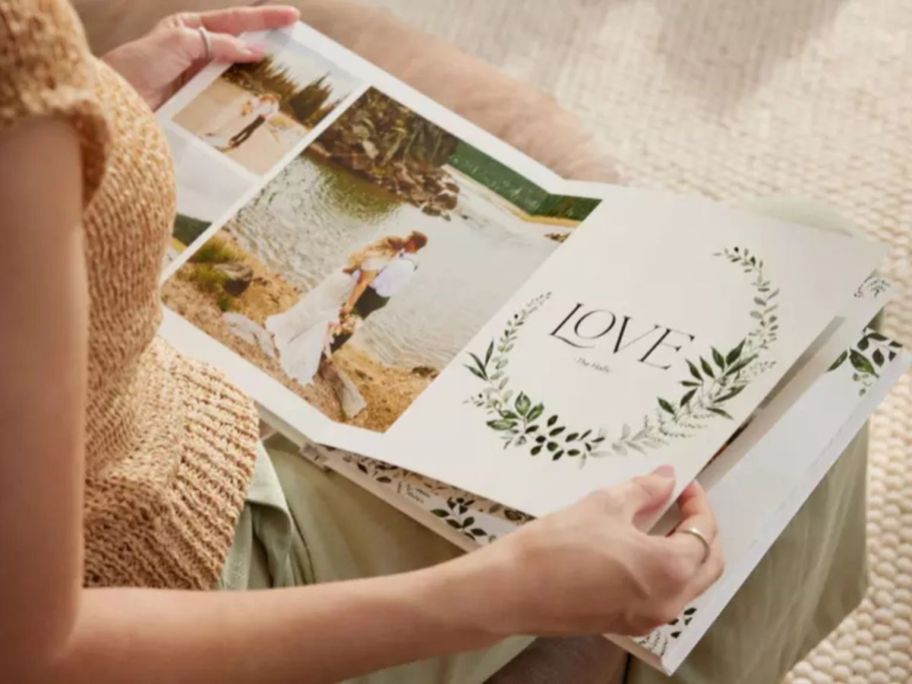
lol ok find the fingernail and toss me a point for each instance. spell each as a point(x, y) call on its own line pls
point(254, 52)
point(665, 471)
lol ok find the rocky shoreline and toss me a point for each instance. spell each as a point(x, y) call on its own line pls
point(429, 188)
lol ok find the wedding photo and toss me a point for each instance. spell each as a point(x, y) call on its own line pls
point(359, 272)
point(255, 113)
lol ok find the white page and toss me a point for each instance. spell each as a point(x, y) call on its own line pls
point(593, 388)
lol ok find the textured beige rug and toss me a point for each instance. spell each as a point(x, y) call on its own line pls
point(735, 99)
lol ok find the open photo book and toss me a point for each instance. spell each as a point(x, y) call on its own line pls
point(477, 341)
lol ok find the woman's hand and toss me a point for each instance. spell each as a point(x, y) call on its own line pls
point(160, 62)
point(590, 570)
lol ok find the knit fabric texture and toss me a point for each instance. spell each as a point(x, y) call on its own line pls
point(170, 444)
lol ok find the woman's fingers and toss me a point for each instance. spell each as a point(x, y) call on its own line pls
point(198, 48)
point(696, 514)
point(707, 572)
point(237, 20)
point(643, 495)
point(226, 48)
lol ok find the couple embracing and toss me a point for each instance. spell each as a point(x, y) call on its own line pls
point(308, 334)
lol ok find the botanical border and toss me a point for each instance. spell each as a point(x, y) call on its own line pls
point(714, 379)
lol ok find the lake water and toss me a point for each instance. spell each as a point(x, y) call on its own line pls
point(308, 220)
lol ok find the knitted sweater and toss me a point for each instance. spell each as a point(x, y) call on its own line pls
point(170, 445)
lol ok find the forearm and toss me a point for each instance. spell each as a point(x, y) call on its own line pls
point(320, 633)
point(364, 281)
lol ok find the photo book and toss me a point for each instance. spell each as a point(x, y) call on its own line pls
point(478, 341)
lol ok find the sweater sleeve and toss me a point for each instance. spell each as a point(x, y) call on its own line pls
point(46, 69)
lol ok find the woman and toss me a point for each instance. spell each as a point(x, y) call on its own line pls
point(125, 466)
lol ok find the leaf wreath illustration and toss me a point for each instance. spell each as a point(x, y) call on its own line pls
point(714, 379)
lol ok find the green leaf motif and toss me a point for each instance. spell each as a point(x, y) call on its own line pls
point(717, 357)
point(741, 365)
point(839, 360)
point(720, 412)
point(712, 379)
point(861, 363)
point(731, 393)
point(523, 404)
point(734, 354)
point(706, 367)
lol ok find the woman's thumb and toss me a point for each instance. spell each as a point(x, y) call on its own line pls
point(647, 493)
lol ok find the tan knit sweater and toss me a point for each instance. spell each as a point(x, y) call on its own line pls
point(170, 445)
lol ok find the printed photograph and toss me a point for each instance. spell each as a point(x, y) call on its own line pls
point(207, 188)
point(359, 272)
point(256, 113)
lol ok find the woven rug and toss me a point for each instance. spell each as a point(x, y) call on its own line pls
point(736, 99)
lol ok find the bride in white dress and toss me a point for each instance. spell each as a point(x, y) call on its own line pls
point(303, 333)
point(301, 337)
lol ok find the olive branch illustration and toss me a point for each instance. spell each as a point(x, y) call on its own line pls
point(714, 379)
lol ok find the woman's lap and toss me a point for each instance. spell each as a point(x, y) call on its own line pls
point(303, 525)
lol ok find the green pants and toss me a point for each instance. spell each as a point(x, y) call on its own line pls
point(303, 525)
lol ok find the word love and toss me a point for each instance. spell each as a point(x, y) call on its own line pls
point(651, 344)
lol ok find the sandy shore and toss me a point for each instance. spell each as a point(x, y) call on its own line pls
point(268, 144)
point(388, 390)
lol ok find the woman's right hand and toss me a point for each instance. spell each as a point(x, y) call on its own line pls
point(590, 570)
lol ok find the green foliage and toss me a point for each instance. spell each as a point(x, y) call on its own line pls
point(517, 189)
point(458, 516)
point(225, 302)
point(187, 229)
point(216, 251)
point(206, 278)
point(713, 381)
point(398, 133)
point(308, 103)
point(265, 76)
point(867, 357)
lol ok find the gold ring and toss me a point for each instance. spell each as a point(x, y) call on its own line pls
point(694, 532)
point(207, 41)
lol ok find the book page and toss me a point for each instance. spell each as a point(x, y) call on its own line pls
point(340, 237)
point(649, 338)
point(386, 278)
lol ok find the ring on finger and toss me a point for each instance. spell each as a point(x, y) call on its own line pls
point(694, 532)
point(207, 41)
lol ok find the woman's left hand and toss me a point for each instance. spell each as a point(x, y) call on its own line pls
point(160, 62)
